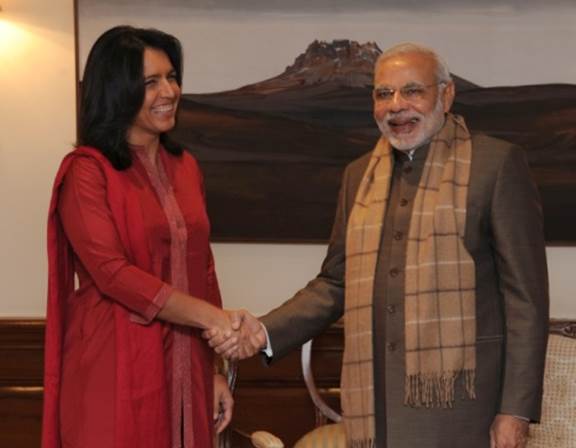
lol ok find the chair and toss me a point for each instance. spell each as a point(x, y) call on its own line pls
point(326, 435)
point(558, 424)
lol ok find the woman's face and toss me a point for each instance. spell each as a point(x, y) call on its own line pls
point(162, 93)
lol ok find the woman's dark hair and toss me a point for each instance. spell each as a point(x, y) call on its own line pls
point(112, 91)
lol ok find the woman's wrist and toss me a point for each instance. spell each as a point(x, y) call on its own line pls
point(212, 316)
point(183, 309)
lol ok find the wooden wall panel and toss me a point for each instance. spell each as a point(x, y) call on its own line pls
point(21, 364)
point(20, 416)
point(267, 398)
point(272, 399)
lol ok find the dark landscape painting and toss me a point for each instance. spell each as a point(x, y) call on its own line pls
point(273, 151)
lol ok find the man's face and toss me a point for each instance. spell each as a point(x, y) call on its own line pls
point(409, 103)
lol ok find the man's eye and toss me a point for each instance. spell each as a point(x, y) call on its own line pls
point(412, 92)
point(384, 94)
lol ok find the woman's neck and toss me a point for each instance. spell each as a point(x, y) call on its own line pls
point(149, 147)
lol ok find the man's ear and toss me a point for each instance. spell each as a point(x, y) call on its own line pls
point(448, 94)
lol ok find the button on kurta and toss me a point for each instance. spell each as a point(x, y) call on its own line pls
point(389, 319)
point(394, 272)
point(398, 236)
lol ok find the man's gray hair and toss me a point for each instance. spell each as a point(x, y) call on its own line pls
point(442, 71)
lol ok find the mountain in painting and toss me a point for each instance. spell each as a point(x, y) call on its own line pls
point(343, 62)
point(328, 84)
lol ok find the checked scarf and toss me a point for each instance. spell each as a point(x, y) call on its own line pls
point(440, 319)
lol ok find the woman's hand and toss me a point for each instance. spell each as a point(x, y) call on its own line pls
point(224, 332)
point(223, 403)
point(220, 326)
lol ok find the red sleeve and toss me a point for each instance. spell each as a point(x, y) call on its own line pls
point(88, 224)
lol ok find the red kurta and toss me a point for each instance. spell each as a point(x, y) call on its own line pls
point(115, 376)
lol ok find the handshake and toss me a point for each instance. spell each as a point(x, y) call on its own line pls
point(236, 334)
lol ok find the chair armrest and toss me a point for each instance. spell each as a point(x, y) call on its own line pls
point(311, 385)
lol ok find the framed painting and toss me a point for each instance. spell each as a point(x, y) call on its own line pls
point(277, 95)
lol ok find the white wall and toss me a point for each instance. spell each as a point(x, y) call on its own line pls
point(37, 126)
point(37, 122)
point(562, 270)
point(260, 277)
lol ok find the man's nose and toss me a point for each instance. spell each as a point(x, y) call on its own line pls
point(397, 102)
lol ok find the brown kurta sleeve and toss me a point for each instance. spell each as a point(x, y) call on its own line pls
point(516, 222)
point(321, 302)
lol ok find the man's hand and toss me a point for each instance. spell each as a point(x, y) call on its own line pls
point(508, 431)
point(252, 337)
point(248, 341)
point(223, 403)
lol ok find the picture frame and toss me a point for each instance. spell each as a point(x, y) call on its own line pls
point(275, 119)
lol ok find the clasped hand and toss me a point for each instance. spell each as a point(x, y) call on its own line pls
point(243, 338)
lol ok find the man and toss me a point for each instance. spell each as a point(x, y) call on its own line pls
point(437, 263)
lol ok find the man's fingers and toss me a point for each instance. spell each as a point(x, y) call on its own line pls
point(236, 318)
point(247, 350)
point(258, 339)
point(255, 343)
point(508, 432)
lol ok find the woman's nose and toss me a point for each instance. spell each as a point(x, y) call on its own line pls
point(168, 88)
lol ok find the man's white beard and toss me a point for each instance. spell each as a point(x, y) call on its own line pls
point(428, 126)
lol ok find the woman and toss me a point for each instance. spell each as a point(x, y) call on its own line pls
point(125, 363)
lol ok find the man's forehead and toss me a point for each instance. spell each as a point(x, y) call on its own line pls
point(410, 67)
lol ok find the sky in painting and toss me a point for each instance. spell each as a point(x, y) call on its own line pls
point(489, 42)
